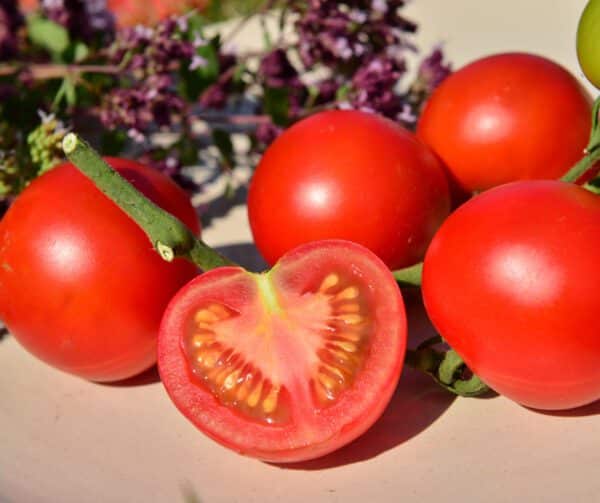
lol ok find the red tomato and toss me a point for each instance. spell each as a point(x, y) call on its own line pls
point(511, 282)
point(507, 117)
point(291, 364)
point(348, 175)
point(80, 285)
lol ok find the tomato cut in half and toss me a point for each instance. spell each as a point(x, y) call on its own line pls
point(291, 364)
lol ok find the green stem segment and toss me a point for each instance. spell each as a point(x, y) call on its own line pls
point(592, 151)
point(446, 368)
point(169, 236)
point(409, 276)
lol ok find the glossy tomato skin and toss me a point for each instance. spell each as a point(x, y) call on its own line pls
point(511, 281)
point(588, 45)
point(80, 286)
point(311, 431)
point(348, 175)
point(507, 117)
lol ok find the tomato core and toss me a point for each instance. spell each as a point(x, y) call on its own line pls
point(239, 367)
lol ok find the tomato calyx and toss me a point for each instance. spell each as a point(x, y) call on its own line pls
point(446, 367)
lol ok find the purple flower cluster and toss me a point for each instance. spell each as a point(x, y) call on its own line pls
point(152, 103)
point(150, 56)
point(374, 83)
point(11, 20)
point(349, 32)
point(433, 70)
point(215, 96)
point(160, 49)
point(88, 20)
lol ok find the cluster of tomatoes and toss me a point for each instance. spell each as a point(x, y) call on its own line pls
point(298, 361)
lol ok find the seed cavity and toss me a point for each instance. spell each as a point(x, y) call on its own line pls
point(233, 381)
point(345, 339)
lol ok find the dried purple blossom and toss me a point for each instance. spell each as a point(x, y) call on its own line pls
point(349, 33)
point(153, 103)
point(11, 20)
point(88, 20)
point(155, 50)
point(432, 70)
point(374, 86)
point(267, 132)
point(215, 96)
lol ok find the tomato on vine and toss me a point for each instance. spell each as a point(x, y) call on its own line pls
point(348, 175)
point(507, 117)
point(510, 281)
point(80, 286)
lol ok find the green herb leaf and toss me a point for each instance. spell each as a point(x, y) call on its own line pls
point(222, 140)
point(277, 104)
point(48, 35)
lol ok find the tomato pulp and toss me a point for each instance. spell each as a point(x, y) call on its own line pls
point(348, 175)
point(511, 283)
point(291, 364)
point(503, 118)
point(81, 287)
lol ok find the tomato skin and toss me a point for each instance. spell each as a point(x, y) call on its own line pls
point(588, 45)
point(511, 280)
point(315, 432)
point(507, 117)
point(80, 286)
point(348, 175)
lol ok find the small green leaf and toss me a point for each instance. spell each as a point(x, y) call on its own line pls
point(80, 52)
point(342, 92)
point(47, 35)
point(277, 104)
point(222, 140)
point(193, 82)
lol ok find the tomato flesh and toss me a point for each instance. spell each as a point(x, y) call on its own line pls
point(291, 364)
point(510, 281)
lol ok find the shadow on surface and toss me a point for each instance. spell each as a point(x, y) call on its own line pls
point(592, 409)
point(149, 376)
point(3, 332)
point(417, 403)
point(244, 254)
point(222, 205)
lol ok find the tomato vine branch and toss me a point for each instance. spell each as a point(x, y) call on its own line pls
point(170, 237)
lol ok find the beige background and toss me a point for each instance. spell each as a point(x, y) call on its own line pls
point(66, 440)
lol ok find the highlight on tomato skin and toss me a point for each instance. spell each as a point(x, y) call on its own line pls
point(291, 364)
point(501, 118)
point(510, 281)
point(352, 175)
point(80, 286)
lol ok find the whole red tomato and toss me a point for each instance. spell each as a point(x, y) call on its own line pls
point(348, 175)
point(507, 117)
point(80, 284)
point(511, 283)
point(291, 364)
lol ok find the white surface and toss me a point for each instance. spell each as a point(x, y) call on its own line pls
point(66, 440)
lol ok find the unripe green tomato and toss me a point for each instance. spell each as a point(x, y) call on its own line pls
point(588, 42)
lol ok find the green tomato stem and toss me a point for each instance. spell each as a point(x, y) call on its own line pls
point(592, 151)
point(410, 276)
point(169, 236)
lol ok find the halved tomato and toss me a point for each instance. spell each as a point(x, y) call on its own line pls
point(290, 364)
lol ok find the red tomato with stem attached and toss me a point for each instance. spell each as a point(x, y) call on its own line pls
point(291, 364)
point(507, 117)
point(81, 287)
point(348, 175)
point(510, 281)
